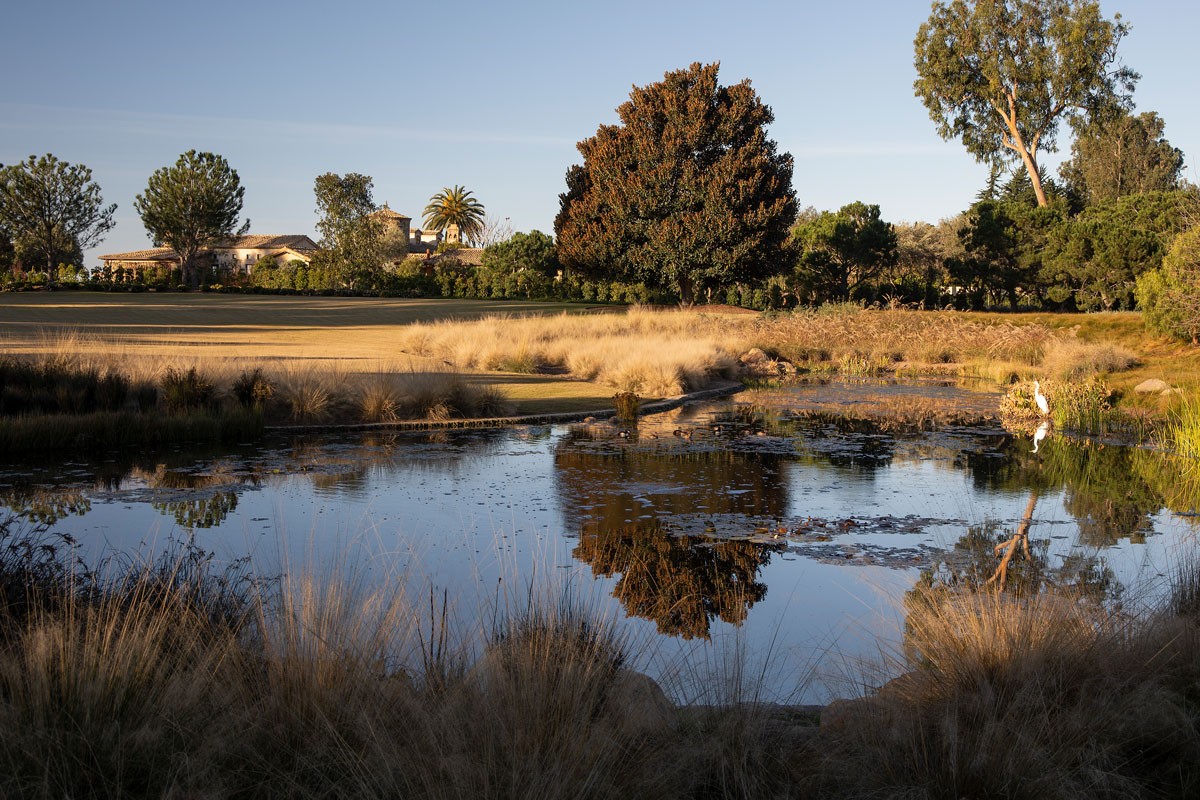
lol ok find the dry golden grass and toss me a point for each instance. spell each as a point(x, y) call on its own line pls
point(1034, 696)
point(541, 361)
point(650, 353)
point(166, 683)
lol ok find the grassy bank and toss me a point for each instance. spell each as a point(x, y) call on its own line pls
point(176, 679)
point(363, 360)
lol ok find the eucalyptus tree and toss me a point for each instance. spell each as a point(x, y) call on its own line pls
point(52, 209)
point(191, 205)
point(1002, 74)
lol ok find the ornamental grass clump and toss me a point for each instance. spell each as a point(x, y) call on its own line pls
point(184, 391)
point(1039, 695)
point(1182, 433)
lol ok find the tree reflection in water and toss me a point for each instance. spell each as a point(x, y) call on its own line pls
point(631, 502)
point(681, 582)
point(199, 512)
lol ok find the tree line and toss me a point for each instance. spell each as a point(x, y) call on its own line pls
point(688, 196)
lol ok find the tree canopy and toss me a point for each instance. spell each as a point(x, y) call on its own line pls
point(191, 205)
point(455, 206)
point(1170, 296)
point(351, 239)
point(840, 251)
point(534, 250)
point(687, 193)
point(52, 209)
point(1095, 258)
point(1120, 156)
point(1002, 74)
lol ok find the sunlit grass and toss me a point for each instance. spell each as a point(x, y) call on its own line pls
point(649, 353)
point(1182, 432)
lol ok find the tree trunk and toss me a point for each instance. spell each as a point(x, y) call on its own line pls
point(1035, 178)
point(687, 294)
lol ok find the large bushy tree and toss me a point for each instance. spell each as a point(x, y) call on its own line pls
point(1120, 156)
point(52, 210)
point(1094, 259)
point(191, 205)
point(686, 193)
point(1002, 74)
point(922, 251)
point(991, 268)
point(842, 251)
point(352, 241)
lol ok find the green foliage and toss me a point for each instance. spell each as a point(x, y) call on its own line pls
point(1095, 259)
point(352, 241)
point(455, 206)
point(1170, 297)
point(992, 267)
point(8, 250)
point(841, 252)
point(1001, 74)
point(1123, 155)
point(52, 210)
point(523, 251)
point(1183, 428)
point(191, 205)
point(687, 193)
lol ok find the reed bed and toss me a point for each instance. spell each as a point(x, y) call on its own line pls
point(1027, 696)
point(1182, 432)
point(174, 680)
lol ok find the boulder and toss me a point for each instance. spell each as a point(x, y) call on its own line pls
point(1152, 386)
point(754, 355)
point(757, 364)
point(637, 705)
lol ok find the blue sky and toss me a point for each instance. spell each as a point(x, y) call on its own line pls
point(495, 96)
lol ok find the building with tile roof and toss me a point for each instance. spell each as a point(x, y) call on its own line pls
point(235, 254)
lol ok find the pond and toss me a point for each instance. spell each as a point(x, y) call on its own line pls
point(753, 527)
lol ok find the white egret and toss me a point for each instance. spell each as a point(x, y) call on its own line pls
point(1040, 399)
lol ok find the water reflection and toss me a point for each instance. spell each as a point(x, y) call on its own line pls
point(680, 582)
point(683, 513)
point(1112, 492)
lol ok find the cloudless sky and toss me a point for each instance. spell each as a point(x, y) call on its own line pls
point(494, 96)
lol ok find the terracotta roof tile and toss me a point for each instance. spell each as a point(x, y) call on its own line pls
point(153, 254)
point(258, 241)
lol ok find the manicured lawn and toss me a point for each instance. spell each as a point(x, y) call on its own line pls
point(355, 334)
point(251, 325)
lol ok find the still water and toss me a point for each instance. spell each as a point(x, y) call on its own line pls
point(747, 528)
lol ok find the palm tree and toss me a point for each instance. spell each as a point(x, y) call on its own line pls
point(455, 207)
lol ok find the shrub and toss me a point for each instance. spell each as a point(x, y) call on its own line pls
point(1170, 297)
point(626, 404)
point(184, 391)
point(252, 389)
